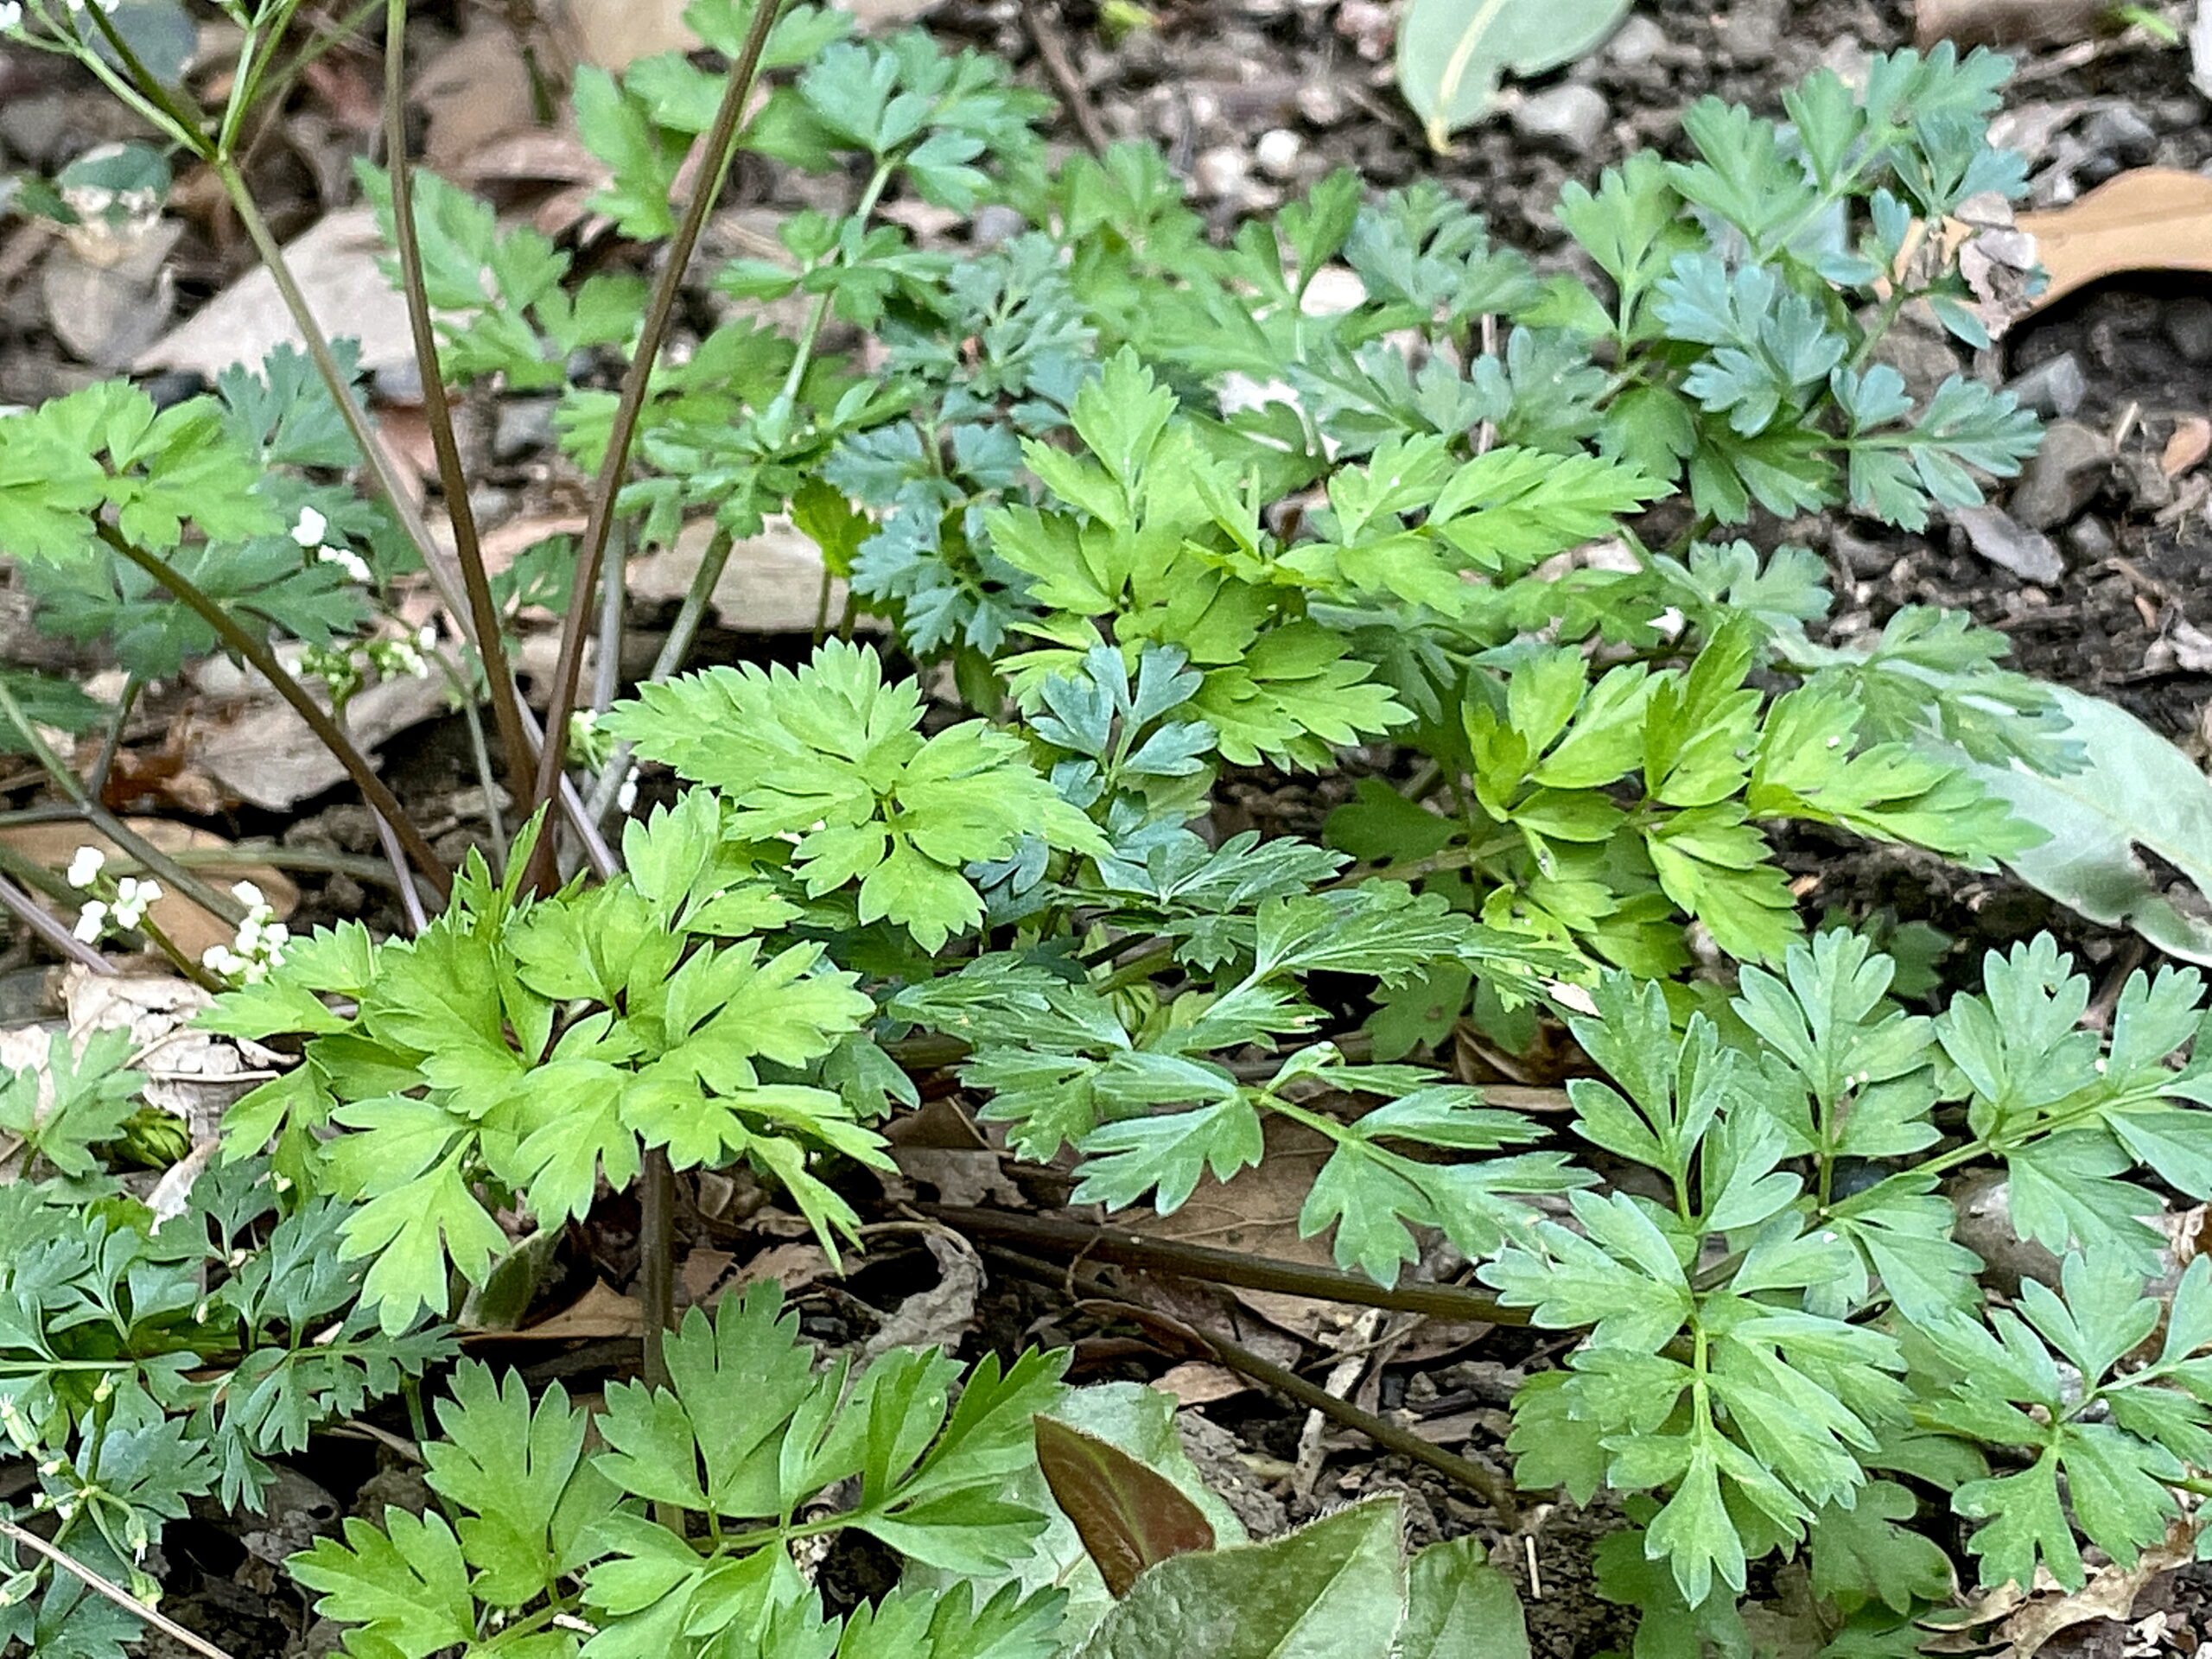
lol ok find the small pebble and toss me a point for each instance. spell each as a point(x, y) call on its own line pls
point(996, 223)
point(2119, 131)
point(1570, 119)
point(2087, 540)
point(1221, 172)
point(399, 385)
point(2027, 554)
point(522, 427)
point(2188, 326)
point(1277, 152)
point(1637, 40)
point(2053, 388)
point(2063, 477)
point(1749, 32)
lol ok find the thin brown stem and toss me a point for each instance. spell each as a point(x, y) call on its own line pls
point(115, 1593)
point(720, 147)
point(483, 615)
point(1493, 1488)
point(1201, 1262)
point(436, 560)
point(256, 651)
point(96, 786)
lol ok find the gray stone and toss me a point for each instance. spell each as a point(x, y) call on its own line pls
point(996, 223)
point(1637, 40)
point(2088, 540)
point(2188, 326)
point(399, 385)
point(2054, 389)
point(2027, 554)
point(1920, 351)
point(1569, 118)
point(2119, 131)
point(2063, 477)
point(1277, 152)
point(1749, 31)
point(524, 427)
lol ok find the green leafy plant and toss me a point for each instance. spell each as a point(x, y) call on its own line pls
point(1139, 526)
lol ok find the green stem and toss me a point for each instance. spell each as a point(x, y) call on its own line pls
point(720, 148)
point(810, 333)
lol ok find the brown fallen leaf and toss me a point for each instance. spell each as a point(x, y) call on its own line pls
point(794, 1266)
point(474, 91)
point(1199, 1383)
point(2191, 443)
point(602, 1311)
point(2007, 22)
point(337, 264)
point(192, 928)
point(2148, 219)
point(2109, 1595)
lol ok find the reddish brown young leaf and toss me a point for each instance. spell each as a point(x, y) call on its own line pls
point(1128, 1516)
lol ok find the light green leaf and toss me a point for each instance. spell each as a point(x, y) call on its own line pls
point(1452, 52)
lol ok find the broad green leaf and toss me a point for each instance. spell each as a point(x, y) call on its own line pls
point(2136, 790)
point(1459, 1606)
point(1451, 52)
point(1335, 1587)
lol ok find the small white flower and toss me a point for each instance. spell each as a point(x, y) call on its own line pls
point(346, 560)
point(11, 16)
point(247, 894)
point(90, 921)
point(626, 796)
point(426, 639)
point(309, 530)
point(85, 869)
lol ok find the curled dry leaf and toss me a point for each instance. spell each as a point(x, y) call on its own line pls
point(2109, 1595)
point(2191, 443)
point(943, 1314)
point(2150, 219)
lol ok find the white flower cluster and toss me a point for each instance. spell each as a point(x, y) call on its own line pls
point(392, 658)
point(311, 532)
point(119, 909)
point(11, 16)
point(260, 943)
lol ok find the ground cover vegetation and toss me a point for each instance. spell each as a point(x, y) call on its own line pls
point(1120, 508)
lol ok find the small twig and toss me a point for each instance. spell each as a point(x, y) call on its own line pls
point(1344, 1377)
point(28, 911)
point(96, 786)
point(380, 799)
point(114, 1593)
point(1491, 1487)
point(1052, 51)
point(1212, 1266)
point(720, 148)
